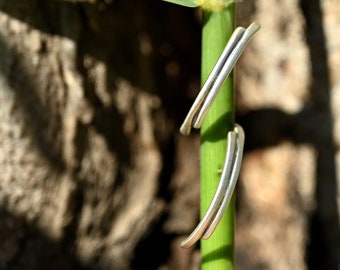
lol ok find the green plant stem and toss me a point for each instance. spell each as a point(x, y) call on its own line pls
point(218, 251)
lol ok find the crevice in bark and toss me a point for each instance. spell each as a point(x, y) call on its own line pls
point(153, 250)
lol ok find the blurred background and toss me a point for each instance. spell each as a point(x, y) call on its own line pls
point(93, 171)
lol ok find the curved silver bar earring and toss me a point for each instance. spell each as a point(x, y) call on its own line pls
point(224, 190)
point(231, 183)
point(209, 83)
point(235, 143)
point(233, 50)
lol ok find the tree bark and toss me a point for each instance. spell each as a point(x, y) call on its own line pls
point(79, 156)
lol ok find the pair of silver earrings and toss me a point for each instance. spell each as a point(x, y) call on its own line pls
point(235, 139)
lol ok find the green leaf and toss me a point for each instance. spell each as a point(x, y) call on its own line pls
point(186, 3)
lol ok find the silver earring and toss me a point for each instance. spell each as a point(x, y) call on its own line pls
point(224, 190)
point(233, 50)
point(235, 143)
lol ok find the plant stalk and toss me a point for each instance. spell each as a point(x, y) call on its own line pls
point(218, 251)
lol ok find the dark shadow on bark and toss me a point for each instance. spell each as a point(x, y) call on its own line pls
point(154, 249)
point(323, 249)
point(174, 51)
point(24, 246)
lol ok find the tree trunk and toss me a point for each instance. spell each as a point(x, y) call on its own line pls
point(93, 171)
point(79, 155)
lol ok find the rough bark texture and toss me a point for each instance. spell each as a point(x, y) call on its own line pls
point(93, 171)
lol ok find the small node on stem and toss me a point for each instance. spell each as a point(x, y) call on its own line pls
point(214, 5)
